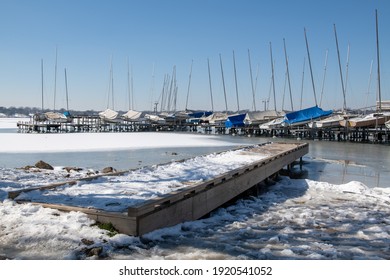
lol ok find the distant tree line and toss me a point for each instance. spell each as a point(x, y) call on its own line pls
point(26, 111)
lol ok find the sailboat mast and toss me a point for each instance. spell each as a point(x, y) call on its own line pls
point(55, 82)
point(175, 89)
point(112, 87)
point(341, 72)
point(288, 74)
point(128, 84)
point(273, 75)
point(42, 81)
point(346, 76)
point(369, 83)
point(189, 84)
point(323, 78)
point(66, 90)
point(211, 90)
point(311, 70)
point(152, 87)
point(250, 73)
point(235, 79)
point(377, 57)
point(132, 88)
point(163, 92)
point(303, 78)
point(223, 82)
point(170, 92)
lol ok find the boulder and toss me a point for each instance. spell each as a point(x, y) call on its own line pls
point(28, 167)
point(43, 165)
point(108, 170)
point(95, 251)
point(70, 168)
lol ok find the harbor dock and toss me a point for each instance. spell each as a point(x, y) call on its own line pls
point(94, 124)
point(192, 200)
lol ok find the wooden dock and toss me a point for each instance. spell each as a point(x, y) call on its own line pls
point(195, 200)
point(93, 123)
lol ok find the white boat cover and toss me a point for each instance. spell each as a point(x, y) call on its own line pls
point(216, 117)
point(154, 118)
point(54, 116)
point(387, 124)
point(262, 116)
point(108, 114)
point(132, 115)
point(369, 120)
point(273, 124)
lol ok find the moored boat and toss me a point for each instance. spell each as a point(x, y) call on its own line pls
point(370, 120)
point(109, 116)
point(387, 124)
point(305, 116)
point(261, 117)
point(132, 115)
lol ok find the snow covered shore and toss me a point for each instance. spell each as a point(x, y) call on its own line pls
point(292, 219)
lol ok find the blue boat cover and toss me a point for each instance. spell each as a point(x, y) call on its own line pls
point(200, 114)
point(235, 121)
point(307, 114)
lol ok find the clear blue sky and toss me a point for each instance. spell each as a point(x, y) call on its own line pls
point(157, 35)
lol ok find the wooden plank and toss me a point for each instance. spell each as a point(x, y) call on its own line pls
point(120, 221)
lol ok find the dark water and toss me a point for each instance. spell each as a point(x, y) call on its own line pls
point(333, 162)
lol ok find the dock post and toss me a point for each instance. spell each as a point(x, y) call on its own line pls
point(300, 163)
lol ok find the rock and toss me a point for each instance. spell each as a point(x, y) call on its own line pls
point(108, 170)
point(43, 165)
point(87, 242)
point(69, 169)
point(28, 167)
point(96, 251)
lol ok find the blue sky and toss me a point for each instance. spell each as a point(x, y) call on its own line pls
point(156, 36)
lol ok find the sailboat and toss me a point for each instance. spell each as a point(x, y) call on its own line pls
point(370, 120)
point(387, 124)
point(336, 120)
point(379, 117)
point(273, 119)
point(262, 117)
point(110, 115)
point(61, 117)
point(213, 118)
point(305, 116)
point(131, 115)
point(216, 118)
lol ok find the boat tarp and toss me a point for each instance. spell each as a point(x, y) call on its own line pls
point(235, 121)
point(132, 115)
point(55, 116)
point(304, 115)
point(108, 114)
point(262, 116)
point(198, 115)
point(216, 117)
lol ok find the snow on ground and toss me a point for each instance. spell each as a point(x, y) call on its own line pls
point(291, 219)
point(120, 192)
point(6, 123)
point(69, 142)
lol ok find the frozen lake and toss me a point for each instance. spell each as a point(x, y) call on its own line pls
point(338, 210)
